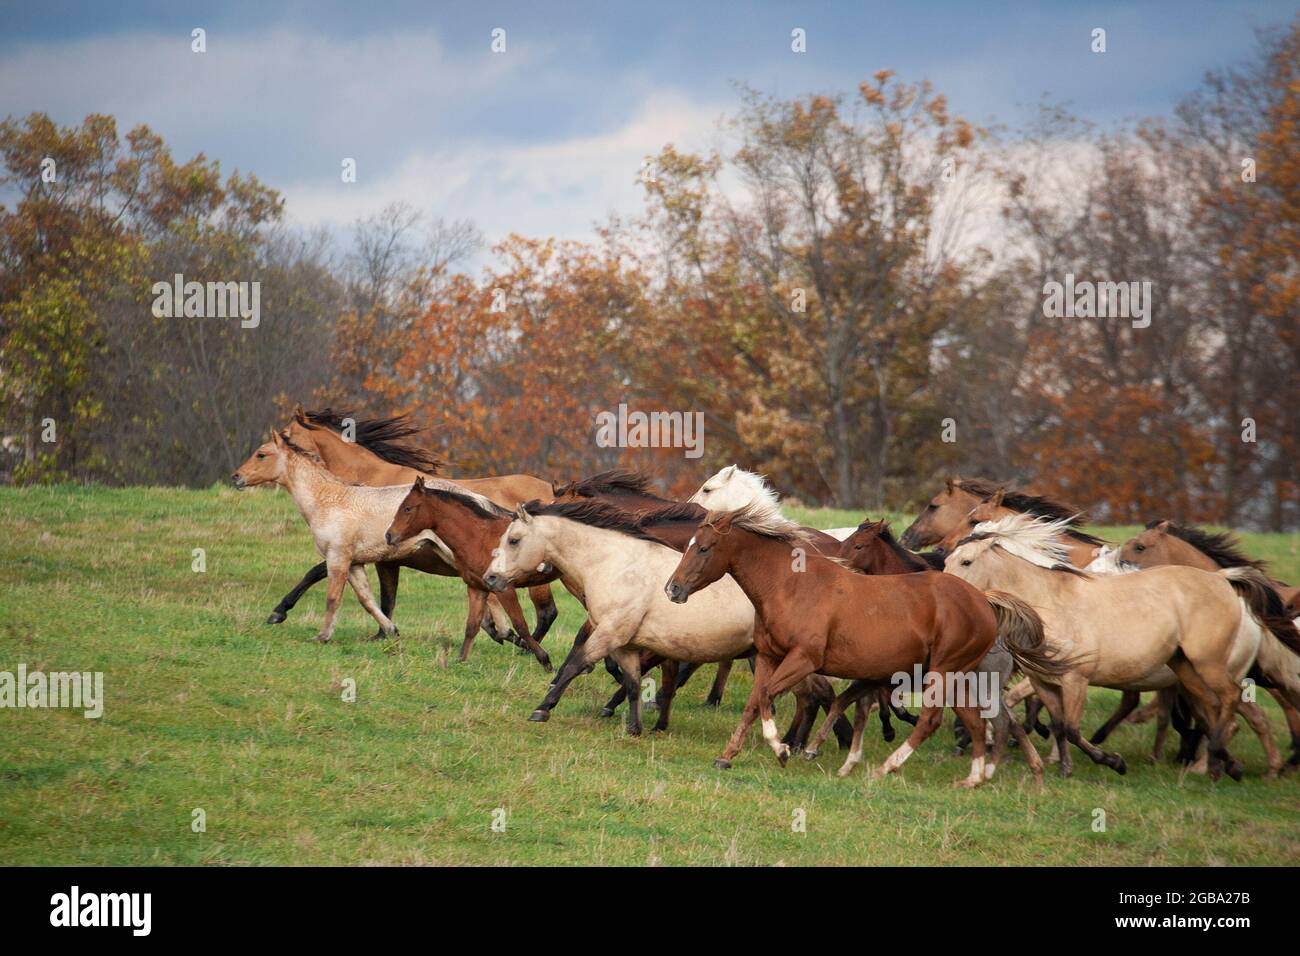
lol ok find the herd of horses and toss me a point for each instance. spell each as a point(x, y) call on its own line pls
point(1009, 584)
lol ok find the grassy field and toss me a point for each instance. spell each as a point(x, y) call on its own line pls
point(209, 708)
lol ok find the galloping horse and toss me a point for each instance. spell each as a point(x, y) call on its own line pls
point(1132, 632)
point(377, 456)
point(348, 524)
point(1277, 668)
point(820, 617)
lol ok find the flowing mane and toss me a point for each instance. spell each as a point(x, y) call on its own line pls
point(612, 482)
point(1031, 538)
point(1221, 547)
point(682, 513)
point(594, 514)
point(476, 503)
point(378, 435)
point(765, 519)
point(1040, 506)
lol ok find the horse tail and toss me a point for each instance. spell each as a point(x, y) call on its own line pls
point(1020, 631)
point(1266, 605)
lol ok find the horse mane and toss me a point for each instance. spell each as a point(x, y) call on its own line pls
point(1032, 538)
point(594, 514)
point(764, 519)
point(1221, 547)
point(476, 503)
point(1040, 506)
point(612, 482)
point(680, 513)
point(378, 435)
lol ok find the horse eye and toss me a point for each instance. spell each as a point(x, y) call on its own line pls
point(260, 455)
point(512, 541)
point(407, 509)
point(1139, 547)
point(857, 547)
point(965, 564)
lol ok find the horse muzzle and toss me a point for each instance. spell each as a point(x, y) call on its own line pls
point(238, 480)
point(391, 539)
point(495, 582)
point(676, 593)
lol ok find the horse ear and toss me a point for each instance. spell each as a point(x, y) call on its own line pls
point(996, 500)
point(951, 483)
point(277, 438)
point(1162, 527)
point(419, 483)
point(521, 514)
point(299, 412)
point(727, 472)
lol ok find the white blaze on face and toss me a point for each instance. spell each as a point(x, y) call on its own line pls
point(690, 544)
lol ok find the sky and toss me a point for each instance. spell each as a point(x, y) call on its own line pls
point(547, 137)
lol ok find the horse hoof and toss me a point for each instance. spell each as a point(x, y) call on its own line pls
point(1119, 765)
point(810, 755)
point(546, 664)
point(965, 783)
point(320, 639)
point(607, 711)
point(540, 716)
point(888, 735)
point(1235, 770)
point(783, 754)
point(277, 617)
point(721, 764)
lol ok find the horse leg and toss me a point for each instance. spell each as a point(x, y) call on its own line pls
point(1258, 722)
point(855, 746)
point(882, 701)
point(1074, 695)
point(1292, 721)
point(841, 703)
point(969, 714)
point(1050, 696)
point(763, 667)
point(544, 604)
point(901, 712)
point(685, 671)
point(1214, 693)
point(388, 573)
point(510, 602)
point(1146, 711)
point(477, 600)
point(668, 672)
point(805, 701)
point(1026, 745)
point(719, 684)
point(339, 568)
point(926, 723)
point(317, 573)
point(600, 642)
point(357, 575)
point(629, 662)
point(793, 668)
point(1128, 702)
point(1164, 706)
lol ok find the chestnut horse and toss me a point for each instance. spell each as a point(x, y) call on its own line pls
point(820, 617)
point(377, 455)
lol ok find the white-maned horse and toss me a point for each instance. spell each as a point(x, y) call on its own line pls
point(1140, 631)
point(734, 488)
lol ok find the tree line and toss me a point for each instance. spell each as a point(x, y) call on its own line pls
point(853, 292)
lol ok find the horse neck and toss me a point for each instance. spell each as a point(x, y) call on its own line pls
point(463, 533)
point(305, 481)
point(1189, 555)
point(759, 565)
point(352, 462)
point(1027, 580)
point(889, 561)
point(579, 551)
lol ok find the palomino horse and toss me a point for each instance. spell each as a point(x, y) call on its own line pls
point(348, 523)
point(376, 455)
point(615, 566)
point(1277, 668)
point(1132, 632)
point(820, 617)
point(947, 518)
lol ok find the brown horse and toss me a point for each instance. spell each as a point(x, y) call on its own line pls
point(948, 517)
point(820, 617)
point(1277, 668)
point(377, 454)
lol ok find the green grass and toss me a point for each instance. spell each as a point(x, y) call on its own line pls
point(209, 708)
